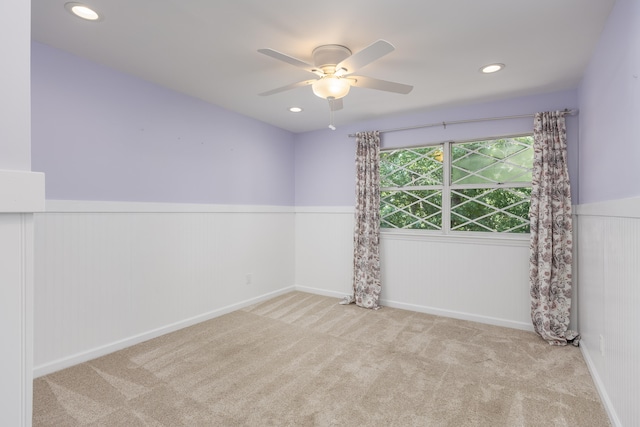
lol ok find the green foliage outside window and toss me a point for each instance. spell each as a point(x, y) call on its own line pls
point(418, 209)
point(494, 161)
point(489, 186)
point(490, 210)
point(411, 167)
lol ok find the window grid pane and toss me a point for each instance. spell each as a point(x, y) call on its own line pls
point(492, 161)
point(411, 209)
point(411, 167)
point(491, 209)
point(488, 188)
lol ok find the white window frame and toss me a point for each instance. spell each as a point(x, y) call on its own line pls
point(445, 232)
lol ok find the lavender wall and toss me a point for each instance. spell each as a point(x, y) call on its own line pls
point(99, 134)
point(609, 97)
point(324, 159)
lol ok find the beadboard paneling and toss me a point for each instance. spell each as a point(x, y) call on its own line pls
point(324, 251)
point(479, 280)
point(106, 280)
point(484, 280)
point(16, 314)
point(609, 276)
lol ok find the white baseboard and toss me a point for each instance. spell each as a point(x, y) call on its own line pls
point(324, 292)
point(459, 315)
point(75, 359)
point(602, 391)
point(428, 310)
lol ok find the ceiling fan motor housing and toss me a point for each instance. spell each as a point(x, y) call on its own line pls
point(329, 55)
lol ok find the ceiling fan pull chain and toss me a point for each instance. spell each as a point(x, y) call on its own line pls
point(331, 126)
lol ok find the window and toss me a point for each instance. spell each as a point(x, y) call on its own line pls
point(476, 186)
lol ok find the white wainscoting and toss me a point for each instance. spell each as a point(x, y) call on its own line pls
point(483, 280)
point(110, 275)
point(21, 194)
point(477, 279)
point(324, 250)
point(16, 314)
point(609, 314)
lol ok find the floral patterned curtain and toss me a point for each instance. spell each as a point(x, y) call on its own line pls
point(366, 238)
point(551, 232)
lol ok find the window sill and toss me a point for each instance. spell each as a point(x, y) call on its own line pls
point(520, 240)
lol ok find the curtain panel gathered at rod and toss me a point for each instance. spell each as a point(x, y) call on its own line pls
point(366, 237)
point(551, 241)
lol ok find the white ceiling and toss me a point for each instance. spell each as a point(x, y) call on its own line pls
point(208, 49)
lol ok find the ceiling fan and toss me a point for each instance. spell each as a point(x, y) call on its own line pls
point(334, 65)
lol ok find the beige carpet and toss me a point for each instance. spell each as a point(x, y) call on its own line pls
point(304, 360)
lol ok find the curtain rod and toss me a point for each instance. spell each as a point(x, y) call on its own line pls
point(456, 122)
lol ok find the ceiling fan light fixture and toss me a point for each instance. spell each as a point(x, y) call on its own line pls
point(331, 87)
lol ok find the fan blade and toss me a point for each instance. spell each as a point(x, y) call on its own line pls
point(335, 104)
point(365, 56)
point(291, 60)
point(287, 87)
point(371, 83)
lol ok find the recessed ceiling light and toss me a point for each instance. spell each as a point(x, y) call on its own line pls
point(492, 68)
point(295, 109)
point(82, 11)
